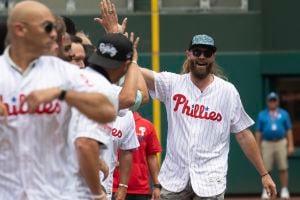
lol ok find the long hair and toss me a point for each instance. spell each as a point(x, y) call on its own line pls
point(216, 70)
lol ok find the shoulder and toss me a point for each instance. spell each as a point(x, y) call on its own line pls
point(263, 112)
point(224, 84)
point(283, 111)
point(53, 62)
point(169, 75)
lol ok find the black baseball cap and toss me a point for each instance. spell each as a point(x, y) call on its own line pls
point(113, 50)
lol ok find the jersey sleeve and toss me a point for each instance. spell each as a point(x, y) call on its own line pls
point(153, 145)
point(83, 80)
point(130, 141)
point(81, 126)
point(240, 120)
point(162, 84)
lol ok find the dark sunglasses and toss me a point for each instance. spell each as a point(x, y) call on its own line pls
point(198, 52)
point(49, 26)
point(272, 100)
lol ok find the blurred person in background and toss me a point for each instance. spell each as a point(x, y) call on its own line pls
point(275, 137)
point(145, 162)
point(78, 52)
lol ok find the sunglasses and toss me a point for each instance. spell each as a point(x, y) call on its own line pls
point(198, 52)
point(47, 25)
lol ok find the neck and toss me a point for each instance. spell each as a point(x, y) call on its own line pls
point(21, 56)
point(202, 84)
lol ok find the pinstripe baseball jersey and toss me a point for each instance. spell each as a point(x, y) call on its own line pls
point(81, 126)
point(199, 127)
point(34, 147)
point(124, 138)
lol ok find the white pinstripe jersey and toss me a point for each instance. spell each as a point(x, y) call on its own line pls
point(81, 126)
point(199, 126)
point(123, 137)
point(34, 148)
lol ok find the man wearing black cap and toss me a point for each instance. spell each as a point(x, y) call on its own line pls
point(274, 135)
point(115, 57)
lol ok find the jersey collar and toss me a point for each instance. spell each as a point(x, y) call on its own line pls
point(15, 66)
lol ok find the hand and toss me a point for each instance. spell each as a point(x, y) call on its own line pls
point(37, 97)
point(270, 186)
point(291, 149)
point(121, 193)
point(109, 18)
point(3, 110)
point(104, 168)
point(135, 45)
point(155, 194)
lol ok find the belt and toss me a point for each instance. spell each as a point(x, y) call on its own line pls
point(275, 139)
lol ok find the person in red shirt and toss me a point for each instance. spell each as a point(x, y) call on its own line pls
point(144, 159)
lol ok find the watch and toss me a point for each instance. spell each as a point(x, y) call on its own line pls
point(62, 95)
point(157, 186)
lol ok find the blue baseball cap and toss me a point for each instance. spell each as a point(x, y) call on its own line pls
point(202, 40)
point(272, 95)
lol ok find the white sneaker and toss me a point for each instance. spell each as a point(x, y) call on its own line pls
point(284, 194)
point(264, 194)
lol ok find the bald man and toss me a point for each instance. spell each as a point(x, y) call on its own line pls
point(38, 92)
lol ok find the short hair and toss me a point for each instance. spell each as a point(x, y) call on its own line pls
point(70, 25)
point(76, 39)
point(85, 38)
point(60, 27)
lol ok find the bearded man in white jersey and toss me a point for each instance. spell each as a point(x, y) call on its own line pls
point(38, 92)
point(202, 110)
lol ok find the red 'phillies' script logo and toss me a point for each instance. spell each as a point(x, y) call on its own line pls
point(196, 111)
point(116, 133)
point(15, 109)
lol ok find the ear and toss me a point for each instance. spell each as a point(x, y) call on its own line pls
point(188, 53)
point(19, 29)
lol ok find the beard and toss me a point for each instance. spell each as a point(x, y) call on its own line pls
point(200, 72)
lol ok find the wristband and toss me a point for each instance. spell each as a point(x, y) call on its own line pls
point(134, 61)
point(265, 174)
point(123, 185)
point(99, 196)
point(157, 186)
point(62, 95)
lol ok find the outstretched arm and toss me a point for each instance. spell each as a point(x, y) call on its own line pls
point(149, 77)
point(247, 142)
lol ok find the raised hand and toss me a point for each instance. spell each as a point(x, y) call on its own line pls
point(109, 18)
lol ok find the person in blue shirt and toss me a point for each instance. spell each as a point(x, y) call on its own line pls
point(275, 138)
